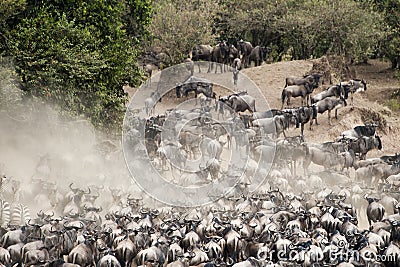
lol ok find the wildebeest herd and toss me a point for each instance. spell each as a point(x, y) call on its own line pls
point(294, 218)
point(226, 55)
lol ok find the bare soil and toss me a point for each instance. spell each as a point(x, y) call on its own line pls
point(368, 107)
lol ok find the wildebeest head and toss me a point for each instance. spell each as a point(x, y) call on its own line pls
point(371, 199)
point(310, 87)
point(224, 49)
point(365, 84)
point(342, 101)
point(264, 52)
point(233, 52)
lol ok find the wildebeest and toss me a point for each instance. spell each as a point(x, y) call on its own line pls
point(353, 86)
point(239, 102)
point(328, 104)
point(295, 91)
point(311, 79)
point(335, 90)
point(258, 55)
point(220, 56)
point(202, 52)
point(375, 172)
point(359, 131)
point(304, 114)
point(326, 158)
point(245, 49)
point(196, 85)
point(364, 144)
point(276, 125)
point(375, 210)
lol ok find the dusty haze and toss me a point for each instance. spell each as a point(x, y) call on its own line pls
point(36, 142)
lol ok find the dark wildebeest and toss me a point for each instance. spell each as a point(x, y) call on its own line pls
point(232, 55)
point(245, 49)
point(311, 79)
point(258, 55)
point(335, 90)
point(220, 56)
point(202, 53)
point(304, 114)
point(359, 131)
point(328, 104)
point(375, 210)
point(295, 91)
point(196, 85)
point(364, 144)
point(353, 86)
point(239, 102)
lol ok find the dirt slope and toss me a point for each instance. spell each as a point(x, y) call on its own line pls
point(368, 107)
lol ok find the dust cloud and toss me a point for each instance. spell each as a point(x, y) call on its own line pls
point(40, 146)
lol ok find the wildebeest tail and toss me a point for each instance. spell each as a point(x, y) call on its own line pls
point(381, 212)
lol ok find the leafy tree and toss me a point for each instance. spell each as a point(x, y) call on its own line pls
point(308, 28)
point(178, 25)
point(80, 53)
point(390, 44)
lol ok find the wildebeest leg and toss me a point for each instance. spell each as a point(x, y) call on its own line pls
point(306, 164)
point(283, 132)
point(329, 118)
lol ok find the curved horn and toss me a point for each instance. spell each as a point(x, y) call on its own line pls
point(73, 189)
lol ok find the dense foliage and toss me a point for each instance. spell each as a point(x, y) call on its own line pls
point(78, 53)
